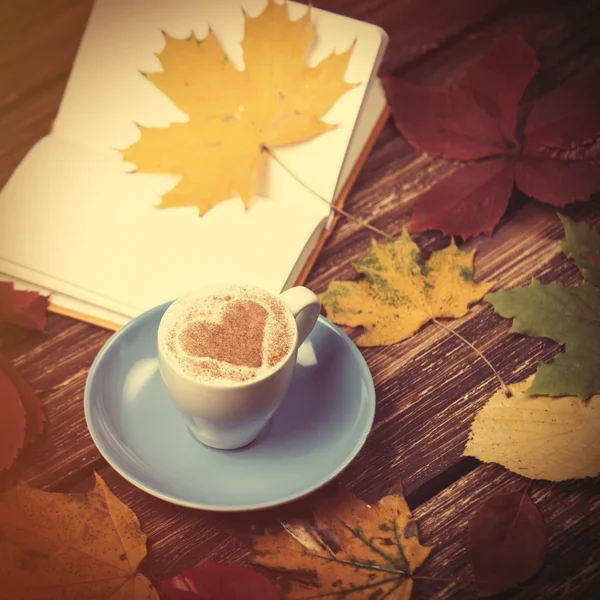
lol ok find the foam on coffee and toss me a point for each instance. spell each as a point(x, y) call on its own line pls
point(236, 334)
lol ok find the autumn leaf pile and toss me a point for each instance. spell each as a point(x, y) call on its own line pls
point(554, 160)
point(21, 415)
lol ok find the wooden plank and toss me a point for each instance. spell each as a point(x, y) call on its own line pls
point(428, 387)
point(56, 363)
point(570, 510)
point(416, 380)
point(180, 537)
point(52, 29)
point(38, 44)
point(418, 28)
point(22, 127)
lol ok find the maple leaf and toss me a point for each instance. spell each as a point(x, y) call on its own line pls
point(582, 244)
point(400, 293)
point(557, 162)
point(23, 308)
point(351, 550)
point(233, 115)
point(538, 436)
point(213, 581)
point(12, 422)
point(567, 315)
point(508, 542)
point(59, 546)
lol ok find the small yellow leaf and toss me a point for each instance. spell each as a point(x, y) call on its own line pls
point(70, 547)
point(277, 100)
point(352, 550)
point(399, 293)
point(540, 437)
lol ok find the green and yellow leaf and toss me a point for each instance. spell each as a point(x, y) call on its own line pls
point(399, 292)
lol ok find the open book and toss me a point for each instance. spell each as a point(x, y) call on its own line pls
point(77, 222)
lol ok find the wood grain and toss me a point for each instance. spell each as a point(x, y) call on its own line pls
point(428, 387)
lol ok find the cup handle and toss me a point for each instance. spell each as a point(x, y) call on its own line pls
point(305, 306)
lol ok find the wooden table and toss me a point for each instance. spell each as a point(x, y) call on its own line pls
point(428, 387)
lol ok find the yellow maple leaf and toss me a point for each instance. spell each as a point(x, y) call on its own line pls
point(399, 293)
point(540, 437)
point(277, 100)
point(70, 546)
point(352, 550)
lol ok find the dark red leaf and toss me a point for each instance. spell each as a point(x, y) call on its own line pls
point(213, 581)
point(23, 308)
point(468, 202)
point(475, 119)
point(508, 542)
point(557, 183)
point(564, 118)
point(34, 413)
point(561, 155)
point(12, 422)
point(443, 121)
point(499, 78)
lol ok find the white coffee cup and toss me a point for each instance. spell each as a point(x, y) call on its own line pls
point(231, 414)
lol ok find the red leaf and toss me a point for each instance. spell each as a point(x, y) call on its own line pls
point(499, 78)
point(12, 422)
point(34, 413)
point(213, 581)
point(565, 117)
point(557, 183)
point(475, 119)
point(26, 309)
point(468, 202)
point(508, 542)
point(561, 155)
point(443, 121)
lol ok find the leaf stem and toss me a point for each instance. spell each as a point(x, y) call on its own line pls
point(503, 385)
point(360, 222)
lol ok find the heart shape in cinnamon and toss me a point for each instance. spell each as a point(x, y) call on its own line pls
point(237, 339)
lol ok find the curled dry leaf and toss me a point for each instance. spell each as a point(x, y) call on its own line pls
point(537, 436)
point(351, 550)
point(400, 293)
point(277, 100)
point(22, 308)
point(213, 581)
point(508, 542)
point(66, 546)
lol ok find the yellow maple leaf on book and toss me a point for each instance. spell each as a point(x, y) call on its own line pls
point(233, 115)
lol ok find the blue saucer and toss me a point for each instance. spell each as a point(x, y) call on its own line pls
point(319, 428)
